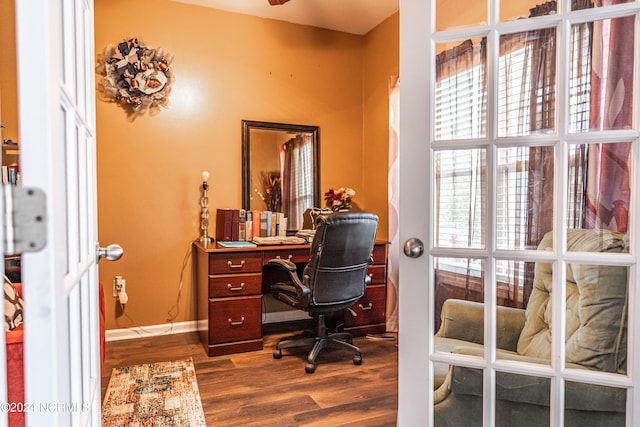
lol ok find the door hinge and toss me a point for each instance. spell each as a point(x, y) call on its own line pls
point(25, 225)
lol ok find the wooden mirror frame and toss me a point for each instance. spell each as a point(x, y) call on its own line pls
point(248, 126)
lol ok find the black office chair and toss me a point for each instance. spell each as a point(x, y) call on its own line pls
point(334, 279)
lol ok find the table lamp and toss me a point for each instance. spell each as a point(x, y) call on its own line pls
point(204, 214)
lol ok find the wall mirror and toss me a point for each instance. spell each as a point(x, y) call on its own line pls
point(280, 169)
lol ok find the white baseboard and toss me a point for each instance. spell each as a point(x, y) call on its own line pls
point(155, 330)
point(192, 326)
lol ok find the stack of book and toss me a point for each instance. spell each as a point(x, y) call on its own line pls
point(243, 225)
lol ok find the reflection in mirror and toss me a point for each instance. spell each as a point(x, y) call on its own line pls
point(280, 169)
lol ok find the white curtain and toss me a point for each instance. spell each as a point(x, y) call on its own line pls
point(393, 180)
point(297, 182)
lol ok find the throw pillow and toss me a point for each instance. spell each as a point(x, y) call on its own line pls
point(596, 304)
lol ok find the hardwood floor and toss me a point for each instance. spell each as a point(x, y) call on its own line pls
point(253, 389)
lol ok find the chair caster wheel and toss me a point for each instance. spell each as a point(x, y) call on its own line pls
point(277, 354)
point(357, 359)
point(310, 368)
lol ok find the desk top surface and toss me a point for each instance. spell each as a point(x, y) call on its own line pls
point(214, 247)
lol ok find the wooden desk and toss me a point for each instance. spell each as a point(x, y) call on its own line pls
point(229, 294)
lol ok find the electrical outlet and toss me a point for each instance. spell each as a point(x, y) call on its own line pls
point(119, 285)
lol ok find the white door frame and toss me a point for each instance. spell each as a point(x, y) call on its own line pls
point(57, 124)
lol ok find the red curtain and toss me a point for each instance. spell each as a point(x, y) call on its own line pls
point(608, 190)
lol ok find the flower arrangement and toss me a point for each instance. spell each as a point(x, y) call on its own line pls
point(339, 199)
point(271, 194)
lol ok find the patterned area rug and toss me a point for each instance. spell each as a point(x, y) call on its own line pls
point(157, 394)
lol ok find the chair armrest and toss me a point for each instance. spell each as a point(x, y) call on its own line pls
point(284, 263)
point(293, 291)
point(464, 320)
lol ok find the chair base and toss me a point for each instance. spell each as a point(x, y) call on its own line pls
point(320, 340)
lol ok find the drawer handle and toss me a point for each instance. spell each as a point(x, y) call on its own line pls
point(232, 265)
point(370, 275)
point(232, 323)
point(238, 288)
point(290, 257)
point(363, 308)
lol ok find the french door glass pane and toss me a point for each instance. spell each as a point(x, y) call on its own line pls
point(460, 198)
point(588, 4)
point(601, 75)
point(525, 398)
point(459, 402)
point(599, 186)
point(524, 191)
point(459, 298)
point(514, 283)
point(460, 92)
point(526, 83)
point(580, 78)
point(608, 405)
point(511, 10)
point(596, 320)
point(448, 14)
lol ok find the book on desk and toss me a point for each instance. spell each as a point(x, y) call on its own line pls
point(245, 225)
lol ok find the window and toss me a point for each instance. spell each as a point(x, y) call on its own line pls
point(523, 108)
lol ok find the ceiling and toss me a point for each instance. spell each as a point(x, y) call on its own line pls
point(350, 16)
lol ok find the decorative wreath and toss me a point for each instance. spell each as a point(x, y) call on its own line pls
point(137, 76)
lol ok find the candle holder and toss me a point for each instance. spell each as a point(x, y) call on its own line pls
point(204, 213)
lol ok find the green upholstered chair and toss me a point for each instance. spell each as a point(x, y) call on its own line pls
point(596, 338)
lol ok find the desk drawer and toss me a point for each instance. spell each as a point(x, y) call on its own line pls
point(231, 285)
point(378, 274)
point(380, 254)
point(293, 255)
point(242, 262)
point(369, 309)
point(235, 319)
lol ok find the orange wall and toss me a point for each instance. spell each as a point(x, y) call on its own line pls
point(381, 61)
point(228, 67)
point(8, 82)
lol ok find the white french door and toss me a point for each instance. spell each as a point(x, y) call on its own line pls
point(57, 133)
point(489, 126)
